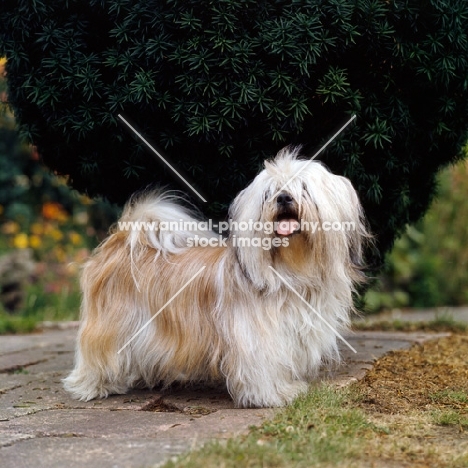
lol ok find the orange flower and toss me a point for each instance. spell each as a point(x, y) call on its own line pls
point(55, 211)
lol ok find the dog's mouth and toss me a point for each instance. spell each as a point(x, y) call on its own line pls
point(287, 224)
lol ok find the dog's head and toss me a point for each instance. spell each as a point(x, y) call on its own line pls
point(306, 222)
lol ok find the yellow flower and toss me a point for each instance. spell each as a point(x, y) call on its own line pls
point(60, 254)
point(20, 241)
point(56, 234)
point(35, 241)
point(75, 238)
point(37, 228)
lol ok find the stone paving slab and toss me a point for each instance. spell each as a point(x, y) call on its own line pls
point(95, 424)
point(458, 314)
point(90, 453)
point(41, 426)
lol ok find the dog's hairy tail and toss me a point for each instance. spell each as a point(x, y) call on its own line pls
point(157, 220)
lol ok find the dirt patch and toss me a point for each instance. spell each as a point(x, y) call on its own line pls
point(158, 405)
point(419, 399)
point(426, 377)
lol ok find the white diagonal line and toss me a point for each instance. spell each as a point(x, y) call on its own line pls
point(161, 309)
point(313, 310)
point(160, 156)
point(313, 157)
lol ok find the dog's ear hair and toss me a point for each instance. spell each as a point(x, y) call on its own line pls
point(362, 240)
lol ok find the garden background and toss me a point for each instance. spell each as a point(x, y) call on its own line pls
point(47, 231)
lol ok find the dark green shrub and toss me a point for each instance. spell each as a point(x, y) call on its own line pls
point(221, 85)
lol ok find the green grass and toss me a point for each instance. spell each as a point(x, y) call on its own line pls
point(321, 428)
point(40, 306)
point(20, 370)
point(61, 305)
point(450, 397)
point(332, 427)
point(447, 322)
point(449, 418)
point(454, 400)
point(11, 324)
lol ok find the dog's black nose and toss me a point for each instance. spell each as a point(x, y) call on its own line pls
point(284, 199)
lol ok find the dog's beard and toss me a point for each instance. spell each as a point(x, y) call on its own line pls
point(249, 317)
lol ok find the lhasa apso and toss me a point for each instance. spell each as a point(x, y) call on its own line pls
point(260, 310)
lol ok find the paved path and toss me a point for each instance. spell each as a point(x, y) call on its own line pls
point(41, 426)
point(458, 314)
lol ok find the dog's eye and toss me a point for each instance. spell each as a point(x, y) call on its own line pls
point(266, 196)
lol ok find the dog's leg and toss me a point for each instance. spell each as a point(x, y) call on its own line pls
point(258, 365)
point(254, 385)
point(99, 370)
point(108, 301)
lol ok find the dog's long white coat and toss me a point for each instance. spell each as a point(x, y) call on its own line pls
point(238, 321)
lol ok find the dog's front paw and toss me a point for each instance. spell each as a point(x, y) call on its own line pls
point(293, 390)
point(264, 397)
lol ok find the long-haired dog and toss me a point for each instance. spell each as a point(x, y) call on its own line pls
point(261, 316)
